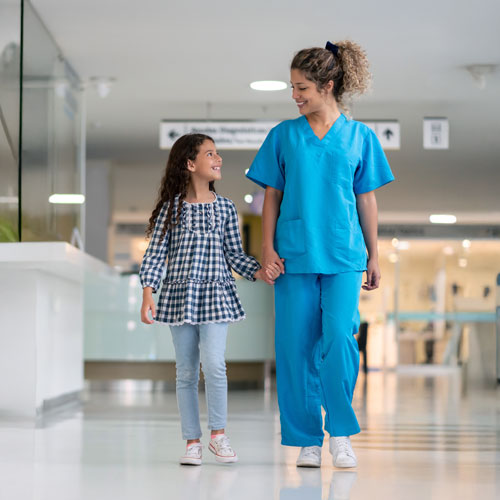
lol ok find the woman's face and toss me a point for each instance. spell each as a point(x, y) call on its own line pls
point(306, 94)
point(208, 163)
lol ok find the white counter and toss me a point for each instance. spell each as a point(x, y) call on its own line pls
point(41, 337)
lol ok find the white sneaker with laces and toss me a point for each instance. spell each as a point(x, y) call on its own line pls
point(222, 450)
point(342, 452)
point(192, 455)
point(309, 456)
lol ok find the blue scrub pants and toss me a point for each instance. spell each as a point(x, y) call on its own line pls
point(317, 356)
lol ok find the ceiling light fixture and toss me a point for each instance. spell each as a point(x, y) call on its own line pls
point(480, 71)
point(443, 219)
point(67, 199)
point(268, 85)
point(102, 85)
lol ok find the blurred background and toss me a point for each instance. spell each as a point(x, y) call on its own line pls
point(84, 88)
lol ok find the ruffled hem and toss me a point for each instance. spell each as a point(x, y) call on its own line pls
point(199, 302)
point(203, 322)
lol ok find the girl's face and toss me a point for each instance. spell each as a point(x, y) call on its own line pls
point(208, 163)
point(306, 94)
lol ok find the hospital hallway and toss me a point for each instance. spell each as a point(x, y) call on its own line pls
point(424, 436)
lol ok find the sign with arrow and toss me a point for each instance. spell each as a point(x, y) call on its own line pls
point(226, 134)
point(387, 132)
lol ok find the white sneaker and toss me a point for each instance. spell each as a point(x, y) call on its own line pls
point(192, 455)
point(222, 450)
point(309, 456)
point(342, 452)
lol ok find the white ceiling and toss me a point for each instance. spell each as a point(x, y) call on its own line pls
point(195, 59)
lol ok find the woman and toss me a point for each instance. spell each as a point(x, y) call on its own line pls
point(320, 224)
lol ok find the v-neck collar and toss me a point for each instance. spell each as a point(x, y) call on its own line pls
point(329, 135)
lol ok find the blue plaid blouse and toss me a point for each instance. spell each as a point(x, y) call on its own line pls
point(200, 252)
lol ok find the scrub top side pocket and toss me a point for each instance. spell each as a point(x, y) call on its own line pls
point(290, 238)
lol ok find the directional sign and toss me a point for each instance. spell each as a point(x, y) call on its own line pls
point(436, 133)
point(226, 134)
point(251, 134)
point(387, 132)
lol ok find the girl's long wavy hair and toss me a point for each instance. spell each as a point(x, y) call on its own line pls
point(176, 179)
point(349, 70)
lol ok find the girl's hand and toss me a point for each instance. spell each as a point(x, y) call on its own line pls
point(148, 304)
point(264, 275)
point(372, 275)
point(271, 258)
point(268, 274)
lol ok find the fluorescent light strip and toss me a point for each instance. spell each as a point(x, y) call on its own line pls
point(9, 199)
point(67, 199)
point(443, 219)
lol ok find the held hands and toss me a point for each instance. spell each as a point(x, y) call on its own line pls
point(268, 274)
point(148, 304)
point(272, 266)
point(372, 275)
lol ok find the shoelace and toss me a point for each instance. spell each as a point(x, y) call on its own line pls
point(344, 446)
point(223, 444)
point(310, 451)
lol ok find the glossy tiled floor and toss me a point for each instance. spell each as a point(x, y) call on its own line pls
point(424, 437)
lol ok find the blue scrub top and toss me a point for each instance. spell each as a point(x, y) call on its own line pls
point(318, 229)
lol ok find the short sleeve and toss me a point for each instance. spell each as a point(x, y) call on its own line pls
point(267, 169)
point(373, 170)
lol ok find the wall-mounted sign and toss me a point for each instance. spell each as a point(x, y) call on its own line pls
point(387, 132)
point(251, 134)
point(226, 134)
point(436, 133)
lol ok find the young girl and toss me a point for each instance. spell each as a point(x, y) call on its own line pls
point(320, 215)
point(198, 231)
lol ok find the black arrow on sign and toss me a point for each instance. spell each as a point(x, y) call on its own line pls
point(388, 133)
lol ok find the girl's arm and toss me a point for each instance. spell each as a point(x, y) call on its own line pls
point(367, 210)
point(152, 266)
point(242, 263)
point(270, 212)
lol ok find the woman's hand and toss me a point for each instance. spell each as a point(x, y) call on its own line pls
point(268, 274)
point(372, 275)
point(271, 258)
point(148, 304)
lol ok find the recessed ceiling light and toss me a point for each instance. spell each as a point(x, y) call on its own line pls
point(248, 198)
point(67, 199)
point(466, 243)
point(443, 219)
point(268, 85)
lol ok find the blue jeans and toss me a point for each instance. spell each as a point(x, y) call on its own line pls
point(317, 356)
point(208, 343)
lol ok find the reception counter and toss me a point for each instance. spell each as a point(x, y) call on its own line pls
point(42, 310)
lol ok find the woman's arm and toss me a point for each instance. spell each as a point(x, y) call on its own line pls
point(367, 210)
point(270, 212)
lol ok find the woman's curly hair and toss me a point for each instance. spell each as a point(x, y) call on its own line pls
point(348, 70)
point(175, 180)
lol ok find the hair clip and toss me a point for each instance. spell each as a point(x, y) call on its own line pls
point(332, 48)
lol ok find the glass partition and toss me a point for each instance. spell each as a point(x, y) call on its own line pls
point(51, 137)
point(10, 77)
